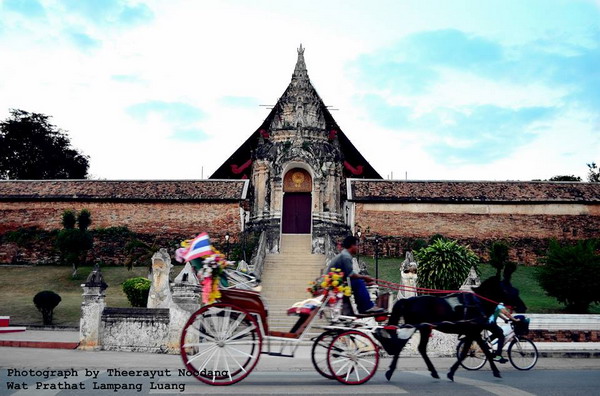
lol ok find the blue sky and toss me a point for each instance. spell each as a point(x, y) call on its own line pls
point(464, 90)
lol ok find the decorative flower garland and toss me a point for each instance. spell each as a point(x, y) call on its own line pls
point(332, 285)
point(209, 263)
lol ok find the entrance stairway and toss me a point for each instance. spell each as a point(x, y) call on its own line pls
point(286, 276)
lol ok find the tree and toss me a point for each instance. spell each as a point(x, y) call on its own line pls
point(32, 148)
point(593, 173)
point(74, 243)
point(444, 264)
point(45, 301)
point(565, 178)
point(571, 274)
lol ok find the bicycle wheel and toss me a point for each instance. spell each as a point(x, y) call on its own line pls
point(319, 352)
point(220, 344)
point(475, 358)
point(353, 357)
point(522, 353)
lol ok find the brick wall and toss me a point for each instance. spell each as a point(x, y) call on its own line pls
point(145, 217)
point(169, 221)
point(527, 233)
point(564, 335)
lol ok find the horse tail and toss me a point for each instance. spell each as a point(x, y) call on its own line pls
point(397, 312)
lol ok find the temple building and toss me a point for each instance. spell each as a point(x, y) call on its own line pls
point(297, 162)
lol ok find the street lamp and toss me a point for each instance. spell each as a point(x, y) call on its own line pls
point(376, 257)
point(227, 246)
point(358, 234)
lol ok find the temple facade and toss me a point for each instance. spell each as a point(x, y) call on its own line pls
point(297, 162)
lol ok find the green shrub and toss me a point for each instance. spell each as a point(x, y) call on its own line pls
point(444, 264)
point(136, 290)
point(45, 301)
point(571, 274)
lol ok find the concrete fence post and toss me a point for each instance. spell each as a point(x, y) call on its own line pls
point(91, 310)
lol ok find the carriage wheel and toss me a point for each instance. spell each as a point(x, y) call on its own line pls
point(220, 344)
point(353, 357)
point(475, 358)
point(319, 352)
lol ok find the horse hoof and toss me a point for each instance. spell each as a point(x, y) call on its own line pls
point(450, 376)
point(497, 374)
point(435, 375)
point(388, 375)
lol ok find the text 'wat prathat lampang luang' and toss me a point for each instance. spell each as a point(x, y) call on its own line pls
point(298, 173)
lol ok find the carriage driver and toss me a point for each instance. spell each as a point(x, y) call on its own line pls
point(358, 282)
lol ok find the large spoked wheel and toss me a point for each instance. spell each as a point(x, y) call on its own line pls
point(353, 357)
point(319, 352)
point(522, 353)
point(220, 344)
point(475, 358)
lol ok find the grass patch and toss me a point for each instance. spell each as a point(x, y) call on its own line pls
point(18, 285)
point(523, 279)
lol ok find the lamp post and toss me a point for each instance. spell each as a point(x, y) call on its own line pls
point(227, 246)
point(376, 257)
point(358, 234)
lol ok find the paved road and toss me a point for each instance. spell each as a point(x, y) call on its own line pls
point(536, 382)
point(87, 373)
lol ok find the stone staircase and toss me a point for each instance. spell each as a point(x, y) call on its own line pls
point(286, 276)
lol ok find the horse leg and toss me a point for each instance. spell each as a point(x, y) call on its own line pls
point(489, 356)
point(461, 357)
point(425, 333)
point(392, 368)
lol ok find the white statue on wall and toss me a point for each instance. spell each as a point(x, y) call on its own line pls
point(408, 274)
point(160, 293)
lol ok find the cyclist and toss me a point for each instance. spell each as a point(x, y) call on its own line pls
point(497, 331)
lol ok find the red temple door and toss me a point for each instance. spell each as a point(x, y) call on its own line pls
point(296, 213)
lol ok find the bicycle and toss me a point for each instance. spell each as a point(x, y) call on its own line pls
point(522, 352)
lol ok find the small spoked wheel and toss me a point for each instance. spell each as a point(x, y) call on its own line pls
point(353, 357)
point(220, 344)
point(522, 353)
point(475, 358)
point(319, 352)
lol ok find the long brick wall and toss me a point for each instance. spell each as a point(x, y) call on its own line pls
point(528, 234)
point(526, 214)
point(167, 211)
point(142, 217)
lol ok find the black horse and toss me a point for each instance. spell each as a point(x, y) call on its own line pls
point(458, 313)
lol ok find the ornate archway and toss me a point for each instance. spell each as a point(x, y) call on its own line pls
point(296, 215)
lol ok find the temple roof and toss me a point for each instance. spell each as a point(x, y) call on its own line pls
point(124, 190)
point(300, 86)
point(472, 191)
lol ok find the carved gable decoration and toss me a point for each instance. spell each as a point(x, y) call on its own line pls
point(297, 180)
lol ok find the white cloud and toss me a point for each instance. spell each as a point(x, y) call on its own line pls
point(199, 52)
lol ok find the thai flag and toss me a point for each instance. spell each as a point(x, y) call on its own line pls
point(199, 247)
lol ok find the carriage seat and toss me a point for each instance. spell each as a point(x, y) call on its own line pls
point(306, 311)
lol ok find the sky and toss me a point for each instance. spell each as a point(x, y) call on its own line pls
point(426, 90)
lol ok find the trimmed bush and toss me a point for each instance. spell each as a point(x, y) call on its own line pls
point(444, 264)
point(45, 301)
point(137, 290)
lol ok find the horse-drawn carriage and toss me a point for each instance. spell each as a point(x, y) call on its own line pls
point(222, 342)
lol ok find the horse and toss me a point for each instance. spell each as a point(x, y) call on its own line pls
point(457, 313)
